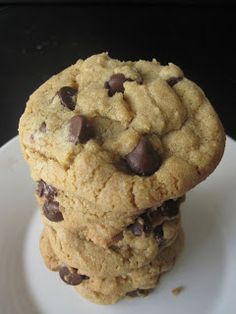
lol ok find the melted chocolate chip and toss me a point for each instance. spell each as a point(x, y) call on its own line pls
point(80, 130)
point(51, 210)
point(46, 190)
point(174, 80)
point(116, 84)
point(170, 208)
point(138, 227)
point(66, 95)
point(143, 160)
point(70, 276)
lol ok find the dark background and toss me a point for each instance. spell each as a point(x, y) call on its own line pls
point(37, 41)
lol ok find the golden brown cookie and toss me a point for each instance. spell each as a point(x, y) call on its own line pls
point(78, 216)
point(130, 252)
point(113, 146)
point(123, 135)
point(109, 290)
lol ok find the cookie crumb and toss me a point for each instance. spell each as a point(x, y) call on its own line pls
point(177, 290)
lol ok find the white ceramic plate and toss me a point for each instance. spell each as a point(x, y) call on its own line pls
point(207, 268)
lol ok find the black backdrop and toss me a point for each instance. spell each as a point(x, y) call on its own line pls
point(37, 41)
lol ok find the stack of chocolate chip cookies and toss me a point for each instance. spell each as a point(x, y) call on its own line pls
point(113, 147)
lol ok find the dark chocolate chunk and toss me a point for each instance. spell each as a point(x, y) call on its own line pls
point(46, 190)
point(51, 210)
point(80, 130)
point(174, 80)
point(144, 160)
point(116, 84)
point(170, 208)
point(70, 276)
point(43, 127)
point(138, 227)
point(66, 95)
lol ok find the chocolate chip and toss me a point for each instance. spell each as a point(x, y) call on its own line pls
point(155, 219)
point(46, 190)
point(43, 127)
point(70, 276)
point(144, 223)
point(137, 228)
point(174, 80)
point(143, 160)
point(158, 232)
point(147, 222)
point(51, 211)
point(80, 130)
point(116, 84)
point(66, 95)
point(170, 208)
point(122, 166)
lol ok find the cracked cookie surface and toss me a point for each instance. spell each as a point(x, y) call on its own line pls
point(109, 290)
point(130, 251)
point(143, 99)
point(81, 217)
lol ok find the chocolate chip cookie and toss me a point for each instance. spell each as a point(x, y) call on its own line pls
point(110, 289)
point(77, 215)
point(123, 135)
point(113, 146)
point(137, 246)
